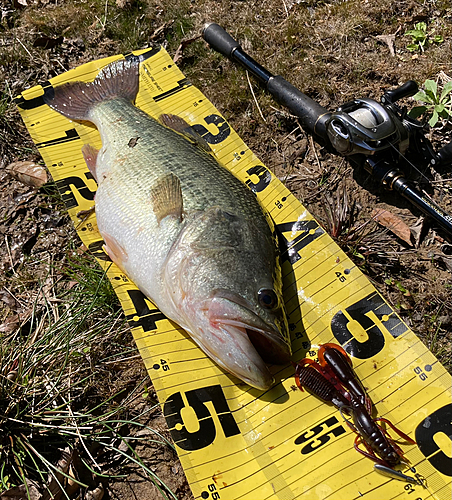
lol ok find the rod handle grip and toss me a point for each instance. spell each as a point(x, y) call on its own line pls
point(219, 39)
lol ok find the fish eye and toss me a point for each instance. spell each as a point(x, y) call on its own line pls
point(268, 298)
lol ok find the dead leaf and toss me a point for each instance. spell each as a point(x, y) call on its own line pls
point(389, 41)
point(10, 324)
point(82, 249)
point(179, 52)
point(416, 231)
point(20, 492)
point(72, 484)
point(8, 298)
point(56, 479)
point(12, 375)
point(28, 173)
point(19, 4)
point(393, 223)
point(47, 42)
point(95, 494)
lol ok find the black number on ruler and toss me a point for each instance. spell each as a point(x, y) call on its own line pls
point(440, 421)
point(165, 366)
point(309, 230)
point(222, 125)
point(313, 442)
point(263, 175)
point(196, 400)
point(213, 490)
point(340, 277)
point(64, 186)
point(147, 317)
point(96, 248)
point(362, 312)
point(409, 488)
point(70, 135)
point(418, 371)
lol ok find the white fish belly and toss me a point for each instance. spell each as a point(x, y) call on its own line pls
point(133, 227)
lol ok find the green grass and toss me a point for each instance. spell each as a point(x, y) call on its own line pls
point(50, 378)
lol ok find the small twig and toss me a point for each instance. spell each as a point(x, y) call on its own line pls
point(311, 140)
point(283, 112)
point(122, 359)
point(14, 297)
point(25, 48)
point(290, 133)
point(66, 428)
point(9, 89)
point(9, 254)
point(321, 42)
point(285, 8)
point(441, 181)
point(60, 63)
point(255, 100)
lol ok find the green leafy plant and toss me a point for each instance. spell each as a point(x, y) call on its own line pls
point(435, 106)
point(398, 285)
point(421, 38)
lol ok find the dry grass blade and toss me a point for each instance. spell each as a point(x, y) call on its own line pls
point(254, 96)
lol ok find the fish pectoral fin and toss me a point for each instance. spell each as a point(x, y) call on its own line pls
point(90, 155)
point(166, 196)
point(180, 126)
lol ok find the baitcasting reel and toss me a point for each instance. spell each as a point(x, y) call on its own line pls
point(379, 136)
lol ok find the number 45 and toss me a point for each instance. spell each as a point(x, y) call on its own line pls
point(340, 277)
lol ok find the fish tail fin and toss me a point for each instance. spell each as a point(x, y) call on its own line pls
point(75, 100)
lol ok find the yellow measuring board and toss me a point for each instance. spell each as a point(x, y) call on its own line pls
point(236, 442)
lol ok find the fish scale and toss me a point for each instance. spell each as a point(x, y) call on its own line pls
point(159, 151)
point(191, 236)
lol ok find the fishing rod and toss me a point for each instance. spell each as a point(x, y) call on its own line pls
point(381, 137)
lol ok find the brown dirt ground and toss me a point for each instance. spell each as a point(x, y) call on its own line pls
point(328, 49)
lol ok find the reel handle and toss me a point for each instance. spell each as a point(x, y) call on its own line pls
point(445, 155)
point(408, 89)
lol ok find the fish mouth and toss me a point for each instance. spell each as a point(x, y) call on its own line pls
point(243, 343)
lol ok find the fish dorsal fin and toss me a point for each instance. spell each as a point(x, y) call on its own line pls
point(180, 126)
point(166, 197)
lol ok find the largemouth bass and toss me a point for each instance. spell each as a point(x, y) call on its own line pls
point(185, 230)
